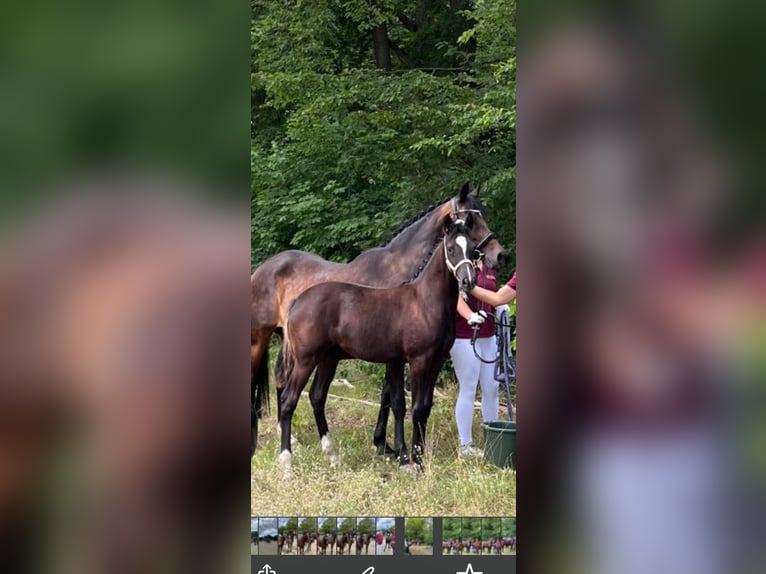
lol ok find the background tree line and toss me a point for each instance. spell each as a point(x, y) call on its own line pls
point(366, 112)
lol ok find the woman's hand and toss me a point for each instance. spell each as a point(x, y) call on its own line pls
point(477, 318)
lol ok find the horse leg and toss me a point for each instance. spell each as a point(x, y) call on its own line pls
point(289, 399)
point(280, 384)
point(318, 396)
point(395, 376)
point(423, 373)
point(379, 437)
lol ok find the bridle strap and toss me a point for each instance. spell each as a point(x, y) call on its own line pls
point(453, 268)
point(456, 211)
point(481, 244)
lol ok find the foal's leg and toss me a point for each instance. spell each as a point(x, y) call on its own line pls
point(296, 382)
point(318, 396)
point(398, 405)
point(379, 436)
point(423, 373)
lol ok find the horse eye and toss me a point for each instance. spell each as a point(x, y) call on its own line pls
point(450, 249)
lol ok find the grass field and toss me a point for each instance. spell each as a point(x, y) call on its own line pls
point(365, 485)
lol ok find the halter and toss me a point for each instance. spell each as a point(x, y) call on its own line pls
point(455, 211)
point(453, 268)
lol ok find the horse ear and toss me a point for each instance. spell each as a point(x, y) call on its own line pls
point(475, 192)
point(464, 191)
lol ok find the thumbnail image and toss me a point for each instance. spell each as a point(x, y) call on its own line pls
point(306, 536)
point(508, 532)
point(451, 536)
point(253, 535)
point(385, 537)
point(344, 543)
point(491, 536)
point(471, 535)
point(288, 531)
point(268, 534)
point(327, 532)
point(364, 536)
point(419, 536)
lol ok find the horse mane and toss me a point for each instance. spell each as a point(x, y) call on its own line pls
point(431, 253)
point(404, 226)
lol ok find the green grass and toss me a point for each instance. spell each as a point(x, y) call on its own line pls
point(365, 485)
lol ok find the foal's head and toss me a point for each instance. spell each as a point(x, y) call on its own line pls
point(459, 249)
point(467, 207)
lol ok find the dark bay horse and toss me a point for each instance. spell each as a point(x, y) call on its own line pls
point(343, 540)
point(280, 279)
point(412, 323)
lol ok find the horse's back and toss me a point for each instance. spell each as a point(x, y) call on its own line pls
point(280, 279)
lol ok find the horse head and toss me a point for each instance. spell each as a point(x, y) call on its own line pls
point(458, 253)
point(467, 207)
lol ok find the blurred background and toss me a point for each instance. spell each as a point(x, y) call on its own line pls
point(641, 215)
point(124, 195)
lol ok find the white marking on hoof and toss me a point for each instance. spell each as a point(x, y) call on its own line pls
point(329, 450)
point(409, 468)
point(286, 463)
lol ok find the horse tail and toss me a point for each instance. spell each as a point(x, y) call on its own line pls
point(259, 396)
point(285, 359)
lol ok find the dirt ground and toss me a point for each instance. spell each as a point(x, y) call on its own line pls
point(267, 548)
point(421, 550)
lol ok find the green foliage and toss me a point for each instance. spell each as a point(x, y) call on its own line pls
point(290, 525)
point(471, 527)
point(346, 525)
point(420, 529)
point(366, 525)
point(509, 527)
point(327, 525)
point(451, 528)
point(308, 525)
point(490, 527)
point(341, 152)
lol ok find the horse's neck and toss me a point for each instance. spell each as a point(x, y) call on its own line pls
point(402, 255)
point(437, 282)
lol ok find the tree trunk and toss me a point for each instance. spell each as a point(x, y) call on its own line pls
point(420, 14)
point(381, 48)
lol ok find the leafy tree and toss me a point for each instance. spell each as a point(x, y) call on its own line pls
point(364, 113)
point(366, 525)
point(347, 525)
point(490, 527)
point(509, 527)
point(471, 527)
point(452, 528)
point(308, 525)
point(327, 525)
point(415, 528)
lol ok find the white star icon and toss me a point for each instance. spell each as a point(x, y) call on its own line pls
point(469, 570)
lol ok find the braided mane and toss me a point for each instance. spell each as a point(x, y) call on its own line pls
point(404, 226)
point(426, 261)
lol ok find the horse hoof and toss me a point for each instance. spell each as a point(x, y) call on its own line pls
point(408, 468)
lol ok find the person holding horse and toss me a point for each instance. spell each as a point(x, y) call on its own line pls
point(469, 369)
point(502, 296)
